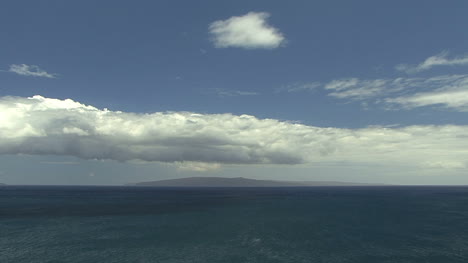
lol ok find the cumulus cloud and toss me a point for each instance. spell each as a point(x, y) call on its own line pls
point(41, 125)
point(440, 59)
point(249, 31)
point(30, 70)
point(45, 126)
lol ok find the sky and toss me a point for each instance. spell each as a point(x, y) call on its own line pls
point(115, 92)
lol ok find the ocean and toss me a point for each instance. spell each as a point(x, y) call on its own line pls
point(313, 224)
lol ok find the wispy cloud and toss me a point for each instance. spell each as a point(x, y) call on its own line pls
point(249, 31)
point(354, 88)
point(455, 99)
point(452, 93)
point(440, 59)
point(202, 142)
point(297, 87)
point(231, 93)
point(357, 89)
point(30, 70)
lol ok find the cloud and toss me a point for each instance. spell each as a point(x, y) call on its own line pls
point(349, 88)
point(359, 89)
point(354, 88)
point(249, 31)
point(433, 61)
point(297, 87)
point(60, 163)
point(197, 166)
point(455, 99)
point(232, 93)
point(447, 91)
point(45, 126)
point(30, 70)
point(450, 91)
point(41, 125)
point(448, 164)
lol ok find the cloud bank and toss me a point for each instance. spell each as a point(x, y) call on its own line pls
point(45, 126)
point(30, 70)
point(249, 31)
point(433, 61)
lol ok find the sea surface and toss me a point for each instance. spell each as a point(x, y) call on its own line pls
point(314, 224)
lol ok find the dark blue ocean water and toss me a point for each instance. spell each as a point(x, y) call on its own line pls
point(317, 224)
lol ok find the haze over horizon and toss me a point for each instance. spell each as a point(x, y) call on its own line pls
point(112, 92)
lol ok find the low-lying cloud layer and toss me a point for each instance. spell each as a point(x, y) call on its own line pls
point(248, 31)
point(47, 126)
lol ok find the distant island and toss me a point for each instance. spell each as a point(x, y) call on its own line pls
point(239, 182)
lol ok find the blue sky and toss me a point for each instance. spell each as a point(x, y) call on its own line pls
point(334, 90)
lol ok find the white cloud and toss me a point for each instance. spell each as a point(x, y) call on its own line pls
point(248, 31)
point(354, 88)
point(44, 126)
point(350, 88)
point(433, 61)
point(364, 89)
point(455, 99)
point(30, 70)
point(450, 92)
